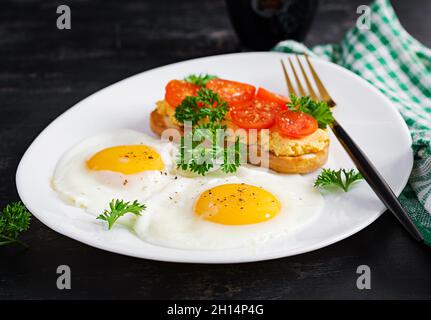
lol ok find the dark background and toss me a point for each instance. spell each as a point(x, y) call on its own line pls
point(44, 71)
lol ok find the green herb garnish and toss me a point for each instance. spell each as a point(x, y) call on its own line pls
point(119, 208)
point(199, 79)
point(319, 110)
point(234, 151)
point(206, 104)
point(14, 219)
point(206, 147)
point(342, 179)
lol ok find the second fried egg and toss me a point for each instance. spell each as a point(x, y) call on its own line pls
point(220, 212)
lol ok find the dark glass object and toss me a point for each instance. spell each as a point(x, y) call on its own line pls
point(260, 24)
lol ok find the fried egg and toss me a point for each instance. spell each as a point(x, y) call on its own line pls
point(249, 208)
point(122, 164)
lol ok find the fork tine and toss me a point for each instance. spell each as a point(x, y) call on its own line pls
point(322, 90)
point(290, 87)
point(300, 88)
point(307, 82)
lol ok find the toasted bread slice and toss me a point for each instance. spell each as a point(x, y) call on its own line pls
point(159, 123)
point(284, 164)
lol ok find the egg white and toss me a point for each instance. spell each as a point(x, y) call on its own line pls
point(93, 190)
point(170, 221)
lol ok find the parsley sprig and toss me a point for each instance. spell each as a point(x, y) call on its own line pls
point(205, 146)
point(342, 179)
point(14, 219)
point(199, 79)
point(119, 208)
point(232, 157)
point(319, 110)
point(206, 104)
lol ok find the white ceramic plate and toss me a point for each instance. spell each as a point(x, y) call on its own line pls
point(367, 115)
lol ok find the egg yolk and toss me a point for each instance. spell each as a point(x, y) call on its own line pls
point(126, 159)
point(237, 204)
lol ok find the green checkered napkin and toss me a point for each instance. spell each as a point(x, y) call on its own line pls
point(400, 67)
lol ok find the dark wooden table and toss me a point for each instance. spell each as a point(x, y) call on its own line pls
point(44, 71)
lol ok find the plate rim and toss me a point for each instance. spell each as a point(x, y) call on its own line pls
point(219, 260)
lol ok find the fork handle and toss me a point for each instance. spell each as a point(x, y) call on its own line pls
point(376, 181)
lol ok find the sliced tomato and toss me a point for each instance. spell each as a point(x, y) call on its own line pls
point(295, 124)
point(236, 94)
point(255, 115)
point(177, 90)
point(271, 97)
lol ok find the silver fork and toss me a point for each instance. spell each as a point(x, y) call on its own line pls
point(364, 165)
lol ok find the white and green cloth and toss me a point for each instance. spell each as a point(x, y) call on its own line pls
point(398, 65)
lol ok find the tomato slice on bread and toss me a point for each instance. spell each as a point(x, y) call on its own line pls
point(177, 90)
point(256, 115)
point(247, 110)
point(295, 124)
point(271, 97)
point(236, 94)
